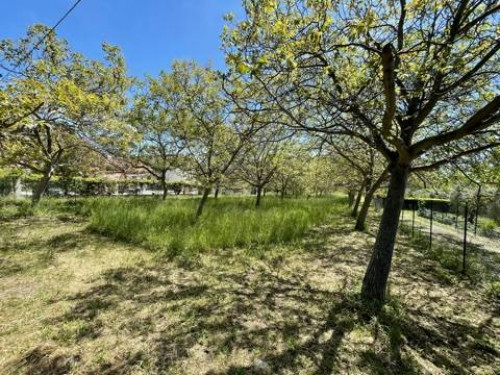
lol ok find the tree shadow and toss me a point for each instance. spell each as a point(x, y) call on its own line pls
point(236, 316)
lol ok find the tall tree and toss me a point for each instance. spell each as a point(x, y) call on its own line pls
point(293, 165)
point(415, 80)
point(214, 135)
point(260, 161)
point(158, 119)
point(79, 98)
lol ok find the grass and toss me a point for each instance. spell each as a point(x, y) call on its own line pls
point(171, 226)
point(481, 265)
point(75, 302)
point(11, 208)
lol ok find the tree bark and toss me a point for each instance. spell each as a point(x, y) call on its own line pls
point(164, 185)
point(259, 195)
point(478, 200)
point(284, 186)
point(363, 213)
point(216, 193)
point(351, 195)
point(354, 212)
point(42, 185)
point(377, 273)
point(201, 205)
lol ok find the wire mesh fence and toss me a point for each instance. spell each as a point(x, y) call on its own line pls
point(445, 232)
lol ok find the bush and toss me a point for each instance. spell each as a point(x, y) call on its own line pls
point(11, 208)
point(488, 227)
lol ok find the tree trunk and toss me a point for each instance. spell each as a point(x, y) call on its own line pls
point(201, 205)
point(350, 196)
point(283, 190)
point(259, 195)
point(42, 185)
point(377, 273)
point(363, 213)
point(354, 212)
point(216, 193)
point(164, 186)
point(478, 200)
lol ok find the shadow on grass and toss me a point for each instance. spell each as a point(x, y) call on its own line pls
point(284, 322)
point(34, 243)
point(481, 263)
point(236, 316)
point(42, 251)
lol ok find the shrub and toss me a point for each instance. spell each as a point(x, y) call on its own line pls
point(488, 227)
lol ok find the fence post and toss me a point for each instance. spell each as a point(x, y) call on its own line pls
point(465, 236)
point(430, 228)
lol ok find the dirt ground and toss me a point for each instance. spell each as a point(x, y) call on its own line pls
point(73, 302)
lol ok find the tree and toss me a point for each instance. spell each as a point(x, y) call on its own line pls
point(417, 81)
point(79, 98)
point(478, 170)
point(293, 166)
point(78, 163)
point(159, 121)
point(367, 161)
point(16, 109)
point(260, 161)
point(214, 135)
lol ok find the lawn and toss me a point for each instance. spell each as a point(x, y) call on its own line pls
point(73, 300)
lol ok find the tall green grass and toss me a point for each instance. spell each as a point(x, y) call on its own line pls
point(227, 222)
point(14, 208)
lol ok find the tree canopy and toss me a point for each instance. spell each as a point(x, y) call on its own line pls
point(416, 80)
point(73, 100)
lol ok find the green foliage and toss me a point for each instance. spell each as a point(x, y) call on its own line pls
point(232, 222)
point(77, 100)
point(488, 227)
point(160, 124)
point(13, 209)
point(212, 140)
point(494, 290)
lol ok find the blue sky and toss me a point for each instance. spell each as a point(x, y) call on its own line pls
point(152, 33)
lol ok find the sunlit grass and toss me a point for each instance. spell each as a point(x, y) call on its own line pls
point(231, 222)
point(77, 302)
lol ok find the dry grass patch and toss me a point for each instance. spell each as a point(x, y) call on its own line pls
point(103, 307)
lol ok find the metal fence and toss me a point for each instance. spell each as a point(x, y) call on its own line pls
point(453, 224)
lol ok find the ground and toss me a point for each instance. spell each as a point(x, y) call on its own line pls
point(457, 234)
point(72, 301)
